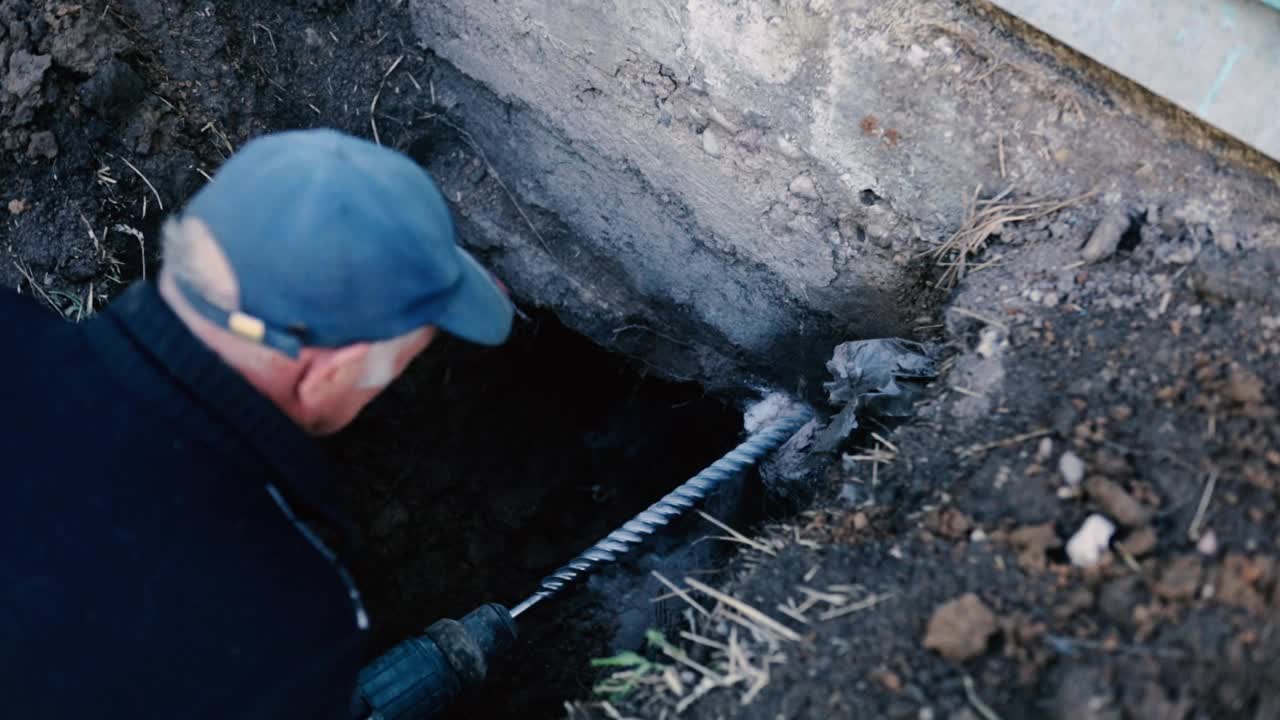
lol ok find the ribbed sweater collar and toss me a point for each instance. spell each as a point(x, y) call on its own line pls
point(140, 328)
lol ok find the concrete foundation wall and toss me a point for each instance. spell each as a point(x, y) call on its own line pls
point(756, 169)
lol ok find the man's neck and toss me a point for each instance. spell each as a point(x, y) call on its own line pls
point(276, 384)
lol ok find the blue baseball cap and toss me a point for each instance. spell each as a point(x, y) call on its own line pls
point(335, 240)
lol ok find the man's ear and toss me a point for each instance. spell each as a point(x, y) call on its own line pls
point(332, 372)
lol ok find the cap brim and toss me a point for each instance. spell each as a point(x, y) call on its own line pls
point(479, 311)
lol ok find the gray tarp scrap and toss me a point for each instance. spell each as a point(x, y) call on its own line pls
point(875, 380)
point(878, 379)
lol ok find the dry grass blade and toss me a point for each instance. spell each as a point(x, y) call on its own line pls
point(1193, 530)
point(972, 694)
point(31, 280)
point(793, 613)
point(677, 591)
point(737, 536)
point(980, 317)
point(1005, 442)
point(695, 638)
point(145, 180)
point(747, 611)
point(983, 220)
point(373, 106)
point(855, 607)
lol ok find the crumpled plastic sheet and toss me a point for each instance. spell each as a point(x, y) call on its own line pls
point(873, 379)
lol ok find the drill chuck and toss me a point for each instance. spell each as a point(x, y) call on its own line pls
point(421, 676)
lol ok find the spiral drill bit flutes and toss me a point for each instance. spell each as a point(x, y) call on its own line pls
point(673, 505)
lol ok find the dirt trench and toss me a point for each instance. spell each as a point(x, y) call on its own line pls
point(1112, 381)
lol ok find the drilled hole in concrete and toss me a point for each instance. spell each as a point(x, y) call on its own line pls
point(484, 469)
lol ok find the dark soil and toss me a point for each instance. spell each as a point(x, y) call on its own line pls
point(1157, 368)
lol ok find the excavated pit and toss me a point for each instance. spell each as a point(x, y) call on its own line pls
point(484, 469)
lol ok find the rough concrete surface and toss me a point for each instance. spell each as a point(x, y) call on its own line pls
point(798, 154)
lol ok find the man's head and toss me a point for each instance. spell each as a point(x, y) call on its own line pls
point(318, 265)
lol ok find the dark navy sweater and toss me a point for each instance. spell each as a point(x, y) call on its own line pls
point(170, 542)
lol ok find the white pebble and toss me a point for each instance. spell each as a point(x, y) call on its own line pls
point(1071, 467)
point(802, 186)
point(1090, 542)
point(711, 143)
point(1208, 544)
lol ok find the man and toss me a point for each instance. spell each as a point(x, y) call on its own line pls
point(172, 546)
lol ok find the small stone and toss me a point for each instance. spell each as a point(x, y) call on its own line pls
point(26, 71)
point(1090, 542)
point(1071, 467)
point(888, 679)
point(959, 629)
point(802, 187)
point(1208, 544)
point(1244, 386)
point(711, 143)
point(1180, 579)
point(312, 38)
point(1032, 542)
point(1140, 542)
point(1045, 449)
point(1241, 579)
point(1106, 236)
point(18, 206)
point(951, 523)
point(42, 145)
point(1116, 502)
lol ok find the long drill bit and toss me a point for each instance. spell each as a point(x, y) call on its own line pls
point(624, 539)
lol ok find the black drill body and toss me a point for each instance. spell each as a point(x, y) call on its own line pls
point(421, 676)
